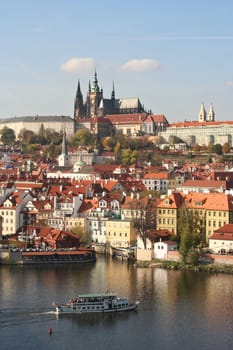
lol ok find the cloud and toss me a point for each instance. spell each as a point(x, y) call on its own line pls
point(77, 64)
point(140, 65)
point(229, 83)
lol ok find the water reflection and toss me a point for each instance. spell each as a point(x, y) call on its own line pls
point(177, 309)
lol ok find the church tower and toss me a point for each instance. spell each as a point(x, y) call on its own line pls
point(211, 114)
point(95, 95)
point(63, 159)
point(78, 104)
point(202, 114)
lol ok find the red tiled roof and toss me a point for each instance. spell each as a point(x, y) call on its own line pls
point(196, 124)
point(161, 175)
point(126, 118)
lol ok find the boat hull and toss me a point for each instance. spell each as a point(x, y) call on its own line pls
point(65, 310)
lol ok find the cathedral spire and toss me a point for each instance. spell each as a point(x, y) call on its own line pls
point(78, 103)
point(113, 91)
point(95, 86)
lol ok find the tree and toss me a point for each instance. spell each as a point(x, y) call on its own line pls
point(226, 148)
point(190, 228)
point(196, 148)
point(7, 136)
point(108, 143)
point(117, 151)
point(217, 148)
point(129, 156)
point(144, 216)
point(82, 137)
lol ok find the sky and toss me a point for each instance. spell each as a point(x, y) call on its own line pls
point(172, 54)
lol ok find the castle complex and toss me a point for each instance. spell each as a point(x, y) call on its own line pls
point(109, 116)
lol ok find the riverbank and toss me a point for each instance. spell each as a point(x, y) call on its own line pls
point(172, 265)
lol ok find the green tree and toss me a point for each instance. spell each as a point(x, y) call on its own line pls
point(25, 136)
point(217, 148)
point(7, 136)
point(129, 156)
point(190, 229)
point(82, 137)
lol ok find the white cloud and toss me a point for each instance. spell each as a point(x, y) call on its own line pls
point(229, 83)
point(77, 64)
point(140, 65)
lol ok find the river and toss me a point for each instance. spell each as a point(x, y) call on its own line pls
point(177, 310)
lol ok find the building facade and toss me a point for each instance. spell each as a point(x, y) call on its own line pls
point(205, 131)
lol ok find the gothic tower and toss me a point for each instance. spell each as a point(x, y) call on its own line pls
point(202, 114)
point(95, 95)
point(78, 103)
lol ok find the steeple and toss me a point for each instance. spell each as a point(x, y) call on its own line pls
point(211, 114)
point(202, 114)
point(64, 150)
point(78, 103)
point(95, 86)
point(63, 159)
point(113, 92)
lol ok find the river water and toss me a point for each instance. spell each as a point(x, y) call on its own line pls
point(178, 310)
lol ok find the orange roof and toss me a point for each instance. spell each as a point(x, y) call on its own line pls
point(126, 118)
point(161, 175)
point(196, 124)
point(204, 183)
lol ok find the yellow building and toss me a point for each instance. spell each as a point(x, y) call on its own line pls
point(167, 212)
point(120, 233)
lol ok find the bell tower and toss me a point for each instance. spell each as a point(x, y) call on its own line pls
point(95, 95)
point(211, 114)
point(202, 114)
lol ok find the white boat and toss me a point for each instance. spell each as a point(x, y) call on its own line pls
point(92, 303)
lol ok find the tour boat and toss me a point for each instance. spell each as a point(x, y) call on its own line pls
point(92, 303)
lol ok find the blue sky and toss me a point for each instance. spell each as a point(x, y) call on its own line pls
point(173, 55)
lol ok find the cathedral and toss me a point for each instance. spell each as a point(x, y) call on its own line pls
point(98, 106)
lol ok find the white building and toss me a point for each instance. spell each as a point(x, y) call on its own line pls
point(221, 241)
point(205, 131)
point(162, 248)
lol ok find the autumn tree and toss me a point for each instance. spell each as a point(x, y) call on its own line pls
point(226, 148)
point(117, 151)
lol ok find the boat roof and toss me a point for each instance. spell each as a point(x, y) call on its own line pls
point(97, 295)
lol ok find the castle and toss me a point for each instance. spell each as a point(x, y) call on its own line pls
point(127, 116)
